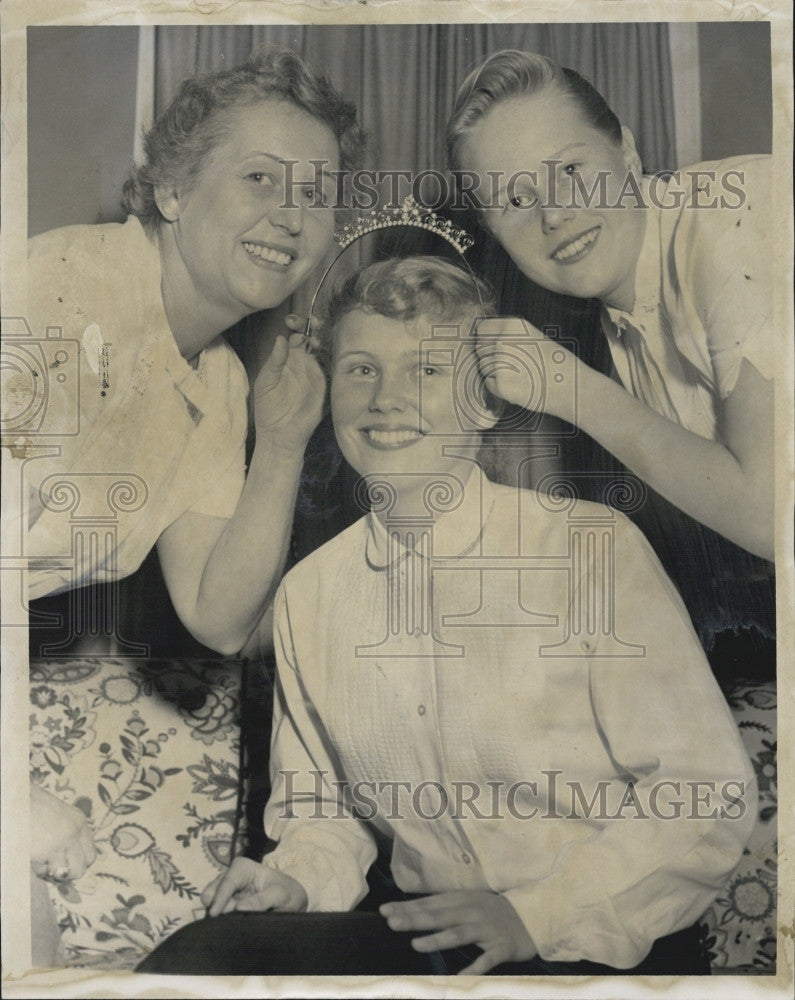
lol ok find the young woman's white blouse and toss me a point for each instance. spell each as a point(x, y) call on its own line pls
point(703, 292)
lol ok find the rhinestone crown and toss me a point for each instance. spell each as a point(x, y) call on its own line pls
point(408, 213)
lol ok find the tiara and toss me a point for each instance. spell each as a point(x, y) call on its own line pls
point(407, 213)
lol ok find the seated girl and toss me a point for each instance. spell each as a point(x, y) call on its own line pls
point(503, 691)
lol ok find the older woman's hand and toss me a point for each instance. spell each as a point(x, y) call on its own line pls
point(62, 845)
point(289, 393)
point(524, 366)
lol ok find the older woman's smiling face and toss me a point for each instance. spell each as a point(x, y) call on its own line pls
point(555, 234)
point(257, 220)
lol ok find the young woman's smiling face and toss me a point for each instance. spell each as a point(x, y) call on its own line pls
point(250, 229)
point(548, 160)
point(394, 410)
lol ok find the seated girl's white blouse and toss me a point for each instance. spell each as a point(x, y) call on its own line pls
point(556, 656)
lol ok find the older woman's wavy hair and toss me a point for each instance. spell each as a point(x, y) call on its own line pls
point(512, 73)
point(193, 123)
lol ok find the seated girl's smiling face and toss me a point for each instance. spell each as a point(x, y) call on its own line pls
point(393, 395)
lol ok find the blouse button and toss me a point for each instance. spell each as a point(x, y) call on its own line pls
point(421, 710)
point(585, 645)
point(465, 858)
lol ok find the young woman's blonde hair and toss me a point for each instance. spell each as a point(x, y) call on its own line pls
point(512, 73)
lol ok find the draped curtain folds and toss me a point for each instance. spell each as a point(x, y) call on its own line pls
point(404, 78)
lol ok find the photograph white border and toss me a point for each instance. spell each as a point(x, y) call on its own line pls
point(15, 16)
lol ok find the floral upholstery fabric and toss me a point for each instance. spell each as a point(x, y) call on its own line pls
point(741, 923)
point(150, 752)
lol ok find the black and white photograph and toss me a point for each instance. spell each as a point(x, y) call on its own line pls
point(397, 481)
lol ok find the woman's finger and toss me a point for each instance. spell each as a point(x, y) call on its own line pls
point(237, 877)
point(225, 890)
point(423, 914)
point(488, 364)
point(495, 327)
point(74, 865)
point(272, 897)
point(485, 351)
point(489, 960)
point(208, 893)
point(279, 353)
point(88, 846)
point(295, 322)
point(451, 937)
point(433, 903)
point(302, 324)
point(39, 867)
point(62, 866)
point(306, 342)
point(488, 329)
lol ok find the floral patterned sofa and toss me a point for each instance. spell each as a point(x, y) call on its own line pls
point(151, 752)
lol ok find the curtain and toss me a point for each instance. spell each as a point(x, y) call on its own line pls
point(404, 77)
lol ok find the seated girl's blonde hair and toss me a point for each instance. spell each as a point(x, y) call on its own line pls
point(404, 288)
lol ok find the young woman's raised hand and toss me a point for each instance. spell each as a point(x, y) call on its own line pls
point(524, 366)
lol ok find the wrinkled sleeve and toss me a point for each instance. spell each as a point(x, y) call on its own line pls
point(731, 275)
point(222, 485)
point(320, 844)
point(687, 787)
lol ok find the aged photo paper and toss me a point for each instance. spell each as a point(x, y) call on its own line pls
point(136, 711)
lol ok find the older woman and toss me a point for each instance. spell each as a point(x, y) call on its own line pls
point(229, 214)
point(683, 270)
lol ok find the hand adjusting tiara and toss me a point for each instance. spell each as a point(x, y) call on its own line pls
point(408, 213)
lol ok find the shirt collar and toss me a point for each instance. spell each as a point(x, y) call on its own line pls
point(647, 271)
point(188, 381)
point(454, 533)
